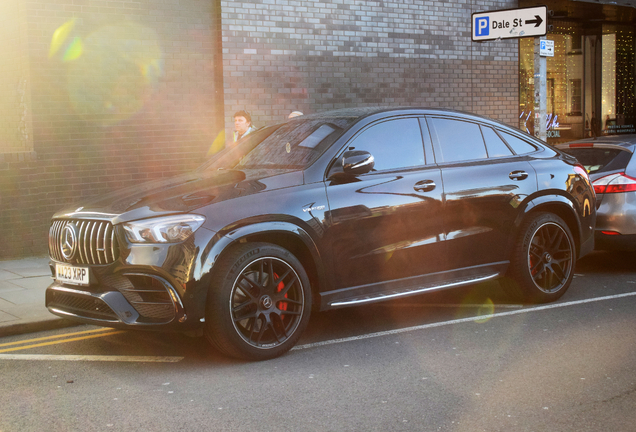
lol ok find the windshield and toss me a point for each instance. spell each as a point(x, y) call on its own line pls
point(289, 146)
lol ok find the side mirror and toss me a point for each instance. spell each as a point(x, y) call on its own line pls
point(356, 162)
point(353, 163)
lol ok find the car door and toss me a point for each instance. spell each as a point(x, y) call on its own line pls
point(484, 183)
point(385, 225)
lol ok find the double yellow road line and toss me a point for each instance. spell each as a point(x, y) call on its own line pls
point(69, 337)
point(34, 343)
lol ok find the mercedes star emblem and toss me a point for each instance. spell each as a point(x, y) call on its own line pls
point(68, 242)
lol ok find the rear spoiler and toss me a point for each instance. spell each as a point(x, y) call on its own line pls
point(574, 145)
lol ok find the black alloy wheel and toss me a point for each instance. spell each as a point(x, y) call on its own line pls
point(259, 302)
point(550, 257)
point(267, 302)
point(542, 261)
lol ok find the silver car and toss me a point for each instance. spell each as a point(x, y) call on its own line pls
point(612, 168)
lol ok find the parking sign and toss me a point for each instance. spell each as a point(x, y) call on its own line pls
point(482, 26)
point(510, 23)
point(546, 48)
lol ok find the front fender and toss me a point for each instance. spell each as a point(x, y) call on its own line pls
point(222, 242)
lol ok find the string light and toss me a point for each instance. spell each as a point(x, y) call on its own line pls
point(566, 83)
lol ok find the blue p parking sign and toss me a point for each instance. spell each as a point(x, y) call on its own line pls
point(482, 26)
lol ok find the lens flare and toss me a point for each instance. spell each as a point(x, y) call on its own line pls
point(113, 71)
point(74, 50)
point(485, 311)
point(60, 35)
point(218, 144)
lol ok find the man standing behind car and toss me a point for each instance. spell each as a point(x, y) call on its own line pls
point(242, 125)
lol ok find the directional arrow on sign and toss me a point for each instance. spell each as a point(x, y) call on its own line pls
point(537, 21)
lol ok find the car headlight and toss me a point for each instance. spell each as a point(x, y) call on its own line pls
point(169, 229)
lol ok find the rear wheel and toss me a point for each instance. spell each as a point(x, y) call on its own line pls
point(259, 302)
point(542, 262)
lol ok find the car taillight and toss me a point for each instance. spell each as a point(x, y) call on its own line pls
point(615, 183)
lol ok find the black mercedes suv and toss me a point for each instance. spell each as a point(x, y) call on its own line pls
point(346, 207)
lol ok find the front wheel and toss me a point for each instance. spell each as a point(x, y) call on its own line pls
point(542, 261)
point(259, 302)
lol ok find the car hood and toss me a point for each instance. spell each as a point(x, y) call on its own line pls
point(181, 194)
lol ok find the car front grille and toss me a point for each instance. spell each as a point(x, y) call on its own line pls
point(94, 242)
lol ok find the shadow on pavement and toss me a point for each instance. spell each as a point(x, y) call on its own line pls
point(607, 262)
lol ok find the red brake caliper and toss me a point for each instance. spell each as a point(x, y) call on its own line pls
point(533, 271)
point(279, 288)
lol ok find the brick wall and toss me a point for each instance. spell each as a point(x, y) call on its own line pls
point(99, 94)
point(119, 92)
point(284, 55)
point(15, 126)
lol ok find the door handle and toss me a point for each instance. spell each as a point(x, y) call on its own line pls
point(424, 186)
point(518, 175)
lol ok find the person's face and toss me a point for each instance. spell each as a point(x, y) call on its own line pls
point(241, 124)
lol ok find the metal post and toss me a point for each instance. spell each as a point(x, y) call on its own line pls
point(540, 91)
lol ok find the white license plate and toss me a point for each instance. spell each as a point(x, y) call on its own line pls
point(71, 274)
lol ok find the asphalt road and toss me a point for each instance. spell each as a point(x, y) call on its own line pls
point(461, 361)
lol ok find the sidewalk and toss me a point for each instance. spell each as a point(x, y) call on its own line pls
point(22, 286)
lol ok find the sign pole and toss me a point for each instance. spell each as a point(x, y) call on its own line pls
point(540, 91)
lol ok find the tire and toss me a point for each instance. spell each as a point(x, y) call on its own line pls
point(542, 261)
point(259, 302)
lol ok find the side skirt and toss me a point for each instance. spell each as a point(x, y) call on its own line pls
point(411, 286)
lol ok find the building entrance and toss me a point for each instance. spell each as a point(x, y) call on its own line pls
point(591, 78)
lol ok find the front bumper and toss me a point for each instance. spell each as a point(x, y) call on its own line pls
point(154, 286)
point(118, 300)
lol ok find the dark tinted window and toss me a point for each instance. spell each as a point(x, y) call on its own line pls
point(394, 144)
point(458, 141)
point(600, 159)
point(518, 145)
point(496, 147)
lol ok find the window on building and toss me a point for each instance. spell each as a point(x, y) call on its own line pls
point(575, 97)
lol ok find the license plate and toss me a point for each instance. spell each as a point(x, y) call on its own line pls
point(71, 274)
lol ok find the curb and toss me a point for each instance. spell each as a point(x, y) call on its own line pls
point(36, 326)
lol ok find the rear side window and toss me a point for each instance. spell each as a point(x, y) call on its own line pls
point(458, 141)
point(496, 147)
point(518, 145)
point(600, 159)
point(394, 144)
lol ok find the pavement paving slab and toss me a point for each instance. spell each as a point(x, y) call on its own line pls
point(36, 283)
point(5, 317)
point(23, 284)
